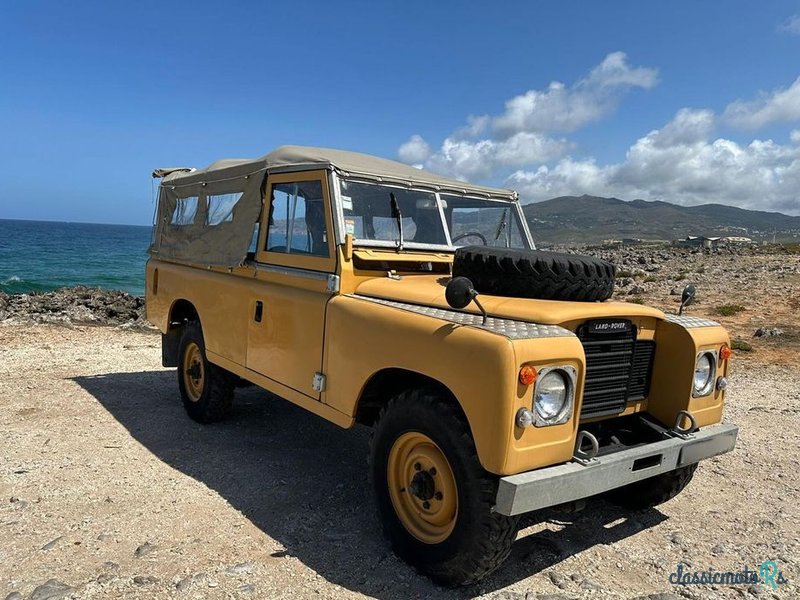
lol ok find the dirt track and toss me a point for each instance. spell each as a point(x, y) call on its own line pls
point(99, 460)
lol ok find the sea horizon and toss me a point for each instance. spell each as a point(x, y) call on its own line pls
point(42, 255)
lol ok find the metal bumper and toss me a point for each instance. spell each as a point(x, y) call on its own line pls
point(571, 481)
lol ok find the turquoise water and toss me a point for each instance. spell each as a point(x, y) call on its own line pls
point(37, 256)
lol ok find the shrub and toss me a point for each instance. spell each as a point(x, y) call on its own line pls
point(636, 300)
point(728, 310)
point(650, 279)
point(741, 345)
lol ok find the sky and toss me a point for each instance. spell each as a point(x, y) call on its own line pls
point(684, 101)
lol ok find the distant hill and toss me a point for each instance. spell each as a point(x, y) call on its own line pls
point(591, 219)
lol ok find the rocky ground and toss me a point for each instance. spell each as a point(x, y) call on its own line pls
point(108, 490)
point(72, 306)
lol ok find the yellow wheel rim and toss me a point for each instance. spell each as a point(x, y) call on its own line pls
point(193, 371)
point(422, 487)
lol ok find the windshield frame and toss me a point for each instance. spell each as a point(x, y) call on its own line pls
point(336, 180)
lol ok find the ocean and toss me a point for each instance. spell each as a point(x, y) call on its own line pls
point(39, 256)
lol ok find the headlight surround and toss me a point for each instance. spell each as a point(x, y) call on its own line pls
point(554, 395)
point(705, 372)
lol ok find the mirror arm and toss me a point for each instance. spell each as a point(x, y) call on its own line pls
point(480, 306)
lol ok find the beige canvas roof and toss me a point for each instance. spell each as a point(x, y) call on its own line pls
point(345, 162)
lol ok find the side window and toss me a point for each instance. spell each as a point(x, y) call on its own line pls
point(220, 208)
point(185, 211)
point(297, 219)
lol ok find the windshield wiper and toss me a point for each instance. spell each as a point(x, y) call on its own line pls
point(501, 225)
point(397, 216)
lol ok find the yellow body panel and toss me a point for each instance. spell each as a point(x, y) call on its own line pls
point(428, 290)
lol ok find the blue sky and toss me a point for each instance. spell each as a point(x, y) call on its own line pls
point(684, 101)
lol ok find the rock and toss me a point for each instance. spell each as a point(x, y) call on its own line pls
point(14, 596)
point(75, 305)
point(18, 502)
point(636, 290)
point(757, 590)
point(591, 585)
point(768, 332)
point(50, 590)
point(144, 580)
point(659, 596)
point(718, 549)
point(51, 544)
point(558, 579)
point(184, 584)
point(241, 568)
point(675, 291)
point(677, 538)
point(247, 588)
point(145, 549)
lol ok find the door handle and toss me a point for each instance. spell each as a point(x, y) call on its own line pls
point(259, 311)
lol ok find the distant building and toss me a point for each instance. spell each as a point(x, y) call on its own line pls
point(700, 241)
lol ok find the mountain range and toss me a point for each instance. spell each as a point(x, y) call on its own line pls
point(592, 219)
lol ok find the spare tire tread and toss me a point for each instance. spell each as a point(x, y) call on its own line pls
point(535, 274)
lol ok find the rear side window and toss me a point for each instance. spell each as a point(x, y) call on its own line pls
point(220, 208)
point(185, 211)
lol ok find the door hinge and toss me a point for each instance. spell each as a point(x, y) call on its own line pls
point(333, 283)
point(318, 382)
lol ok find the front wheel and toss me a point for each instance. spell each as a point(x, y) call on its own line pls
point(434, 498)
point(206, 389)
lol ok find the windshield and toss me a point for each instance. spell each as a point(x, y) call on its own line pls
point(451, 220)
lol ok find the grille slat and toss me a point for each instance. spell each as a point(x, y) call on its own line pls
point(618, 370)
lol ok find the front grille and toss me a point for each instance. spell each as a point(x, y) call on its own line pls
point(618, 370)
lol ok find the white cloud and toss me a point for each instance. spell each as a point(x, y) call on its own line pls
point(791, 25)
point(481, 159)
point(794, 136)
point(490, 146)
point(782, 105)
point(562, 108)
point(415, 150)
point(680, 164)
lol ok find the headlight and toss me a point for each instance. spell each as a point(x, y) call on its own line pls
point(553, 396)
point(704, 371)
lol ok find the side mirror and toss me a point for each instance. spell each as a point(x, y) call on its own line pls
point(687, 297)
point(460, 292)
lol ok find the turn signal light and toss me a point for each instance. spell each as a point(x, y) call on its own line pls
point(725, 352)
point(527, 375)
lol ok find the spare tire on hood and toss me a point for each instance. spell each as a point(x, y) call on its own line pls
point(535, 274)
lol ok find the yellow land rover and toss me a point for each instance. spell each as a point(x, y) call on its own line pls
point(497, 379)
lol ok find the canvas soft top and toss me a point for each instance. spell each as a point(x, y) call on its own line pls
point(190, 228)
point(353, 164)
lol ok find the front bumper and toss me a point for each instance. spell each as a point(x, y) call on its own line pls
point(572, 481)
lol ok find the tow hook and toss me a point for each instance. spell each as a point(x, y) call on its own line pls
point(585, 455)
point(683, 432)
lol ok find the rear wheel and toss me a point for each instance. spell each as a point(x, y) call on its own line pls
point(434, 498)
point(652, 491)
point(206, 389)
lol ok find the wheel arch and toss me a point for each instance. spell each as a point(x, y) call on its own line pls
point(388, 382)
point(181, 312)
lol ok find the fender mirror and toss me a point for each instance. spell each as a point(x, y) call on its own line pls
point(687, 297)
point(460, 292)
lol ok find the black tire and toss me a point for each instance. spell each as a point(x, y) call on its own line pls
point(535, 274)
point(480, 539)
point(653, 491)
point(215, 398)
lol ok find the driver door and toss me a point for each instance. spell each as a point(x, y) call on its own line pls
point(295, 260)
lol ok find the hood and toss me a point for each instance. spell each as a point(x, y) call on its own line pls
point(428, 290)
